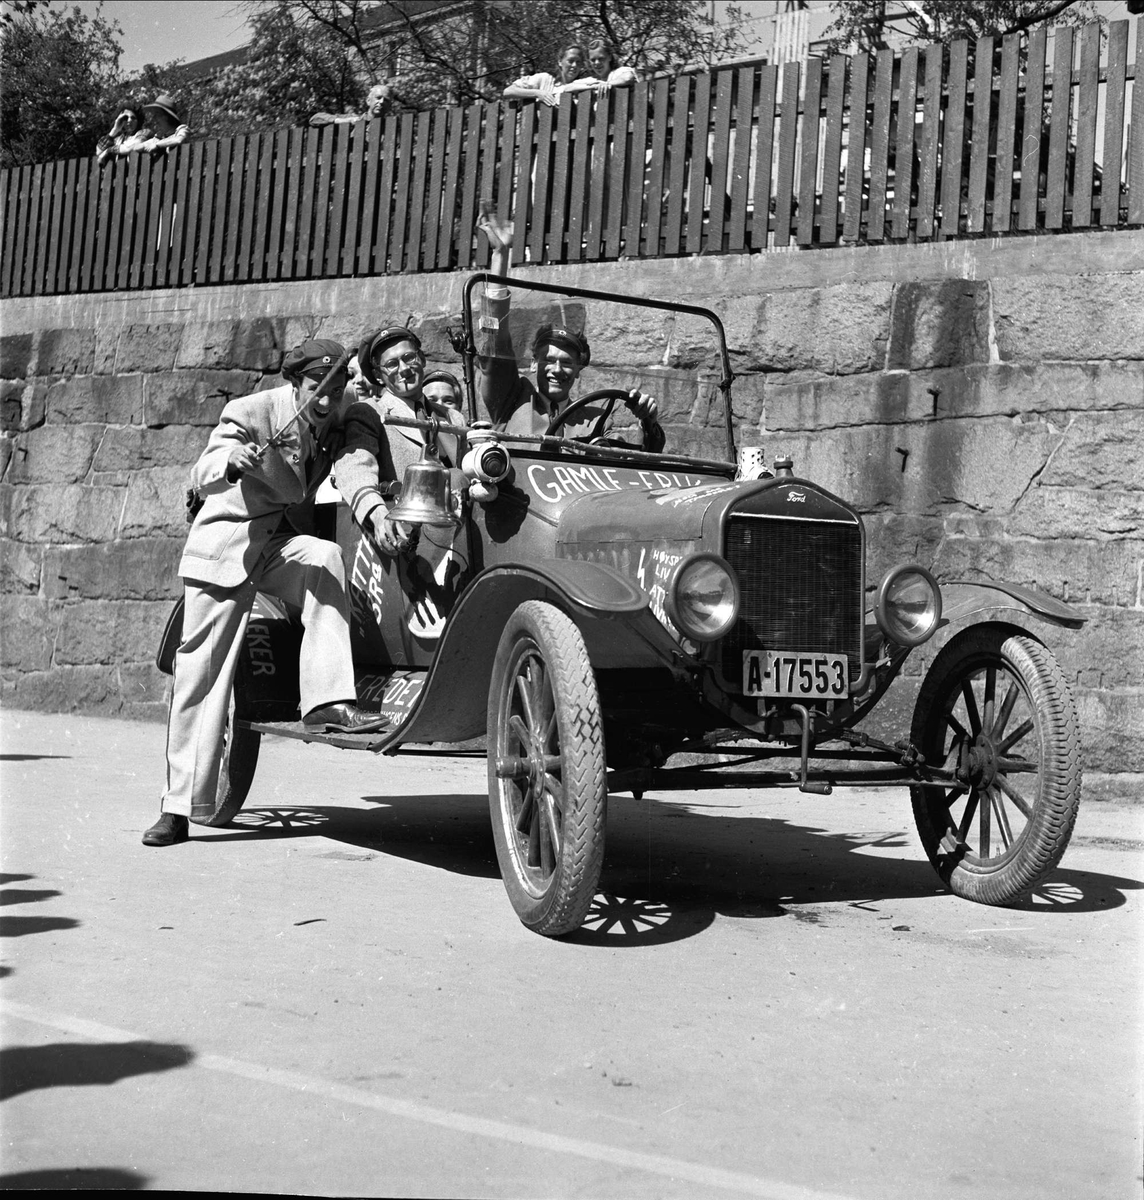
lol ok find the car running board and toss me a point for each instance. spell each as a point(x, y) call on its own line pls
point(304, 733)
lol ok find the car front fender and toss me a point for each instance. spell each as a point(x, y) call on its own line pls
point(613, 616)
point(964, 599)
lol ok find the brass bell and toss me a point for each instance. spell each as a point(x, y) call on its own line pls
point(425, 494)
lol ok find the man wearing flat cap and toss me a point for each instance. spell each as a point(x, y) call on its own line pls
point(375, 454)
point(257, 478)
point(516, 404)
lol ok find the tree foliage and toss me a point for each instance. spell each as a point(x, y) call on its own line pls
point(473, 50)
point(61, 81)
point(877, 24)
point(293, 68)
point(63, 84)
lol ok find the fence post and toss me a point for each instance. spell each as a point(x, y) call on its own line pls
point(1057, 184)
point(788, 136)
point(1114, 121)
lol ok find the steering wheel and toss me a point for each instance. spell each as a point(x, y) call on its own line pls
point(608, 395)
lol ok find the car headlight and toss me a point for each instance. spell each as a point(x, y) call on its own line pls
point(908, 605)
point(703, 597)
point(487, 461)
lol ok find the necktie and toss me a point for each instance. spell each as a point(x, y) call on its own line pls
point(309, 453)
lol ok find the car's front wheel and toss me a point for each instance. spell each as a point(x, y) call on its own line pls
point(547, 778)
point(995, 711)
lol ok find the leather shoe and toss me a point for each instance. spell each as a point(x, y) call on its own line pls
point(344, 718)
point(167, 830)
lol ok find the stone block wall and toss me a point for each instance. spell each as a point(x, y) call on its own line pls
point(981, 402)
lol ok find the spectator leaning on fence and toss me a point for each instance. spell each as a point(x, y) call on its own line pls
point(126, 135)
point(167, 126)
point(604, 69)
point(377, 103)
point(546, 88)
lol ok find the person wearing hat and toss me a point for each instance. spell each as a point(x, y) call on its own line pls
point(514, 403)
point(442, 395)
point(375, 455)
point(257, 478)
point(167, 126)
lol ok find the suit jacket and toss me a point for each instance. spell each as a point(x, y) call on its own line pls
point(373, 454)
point(237, 520)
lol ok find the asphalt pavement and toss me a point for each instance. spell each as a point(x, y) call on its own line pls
point(773, 995)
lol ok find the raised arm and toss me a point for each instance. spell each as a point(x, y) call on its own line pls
point(498, 383)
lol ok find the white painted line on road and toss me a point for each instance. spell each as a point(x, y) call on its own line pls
point(1000, 929)
point(518, 1135)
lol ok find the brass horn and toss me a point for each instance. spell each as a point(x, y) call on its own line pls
point(425, 494)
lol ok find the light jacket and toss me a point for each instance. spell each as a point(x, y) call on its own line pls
point(230, 533)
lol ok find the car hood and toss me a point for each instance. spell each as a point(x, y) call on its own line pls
point(689, 514)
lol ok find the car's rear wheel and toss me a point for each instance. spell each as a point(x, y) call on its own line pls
point(547, 778)
point(235, 775)
point(995, 710)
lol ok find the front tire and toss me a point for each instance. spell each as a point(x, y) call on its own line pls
point(995, 710)
point(547, 777)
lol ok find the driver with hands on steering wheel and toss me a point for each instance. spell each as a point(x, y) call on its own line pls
point(514, 402)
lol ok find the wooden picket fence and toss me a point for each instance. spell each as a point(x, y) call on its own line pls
point(1015, 135)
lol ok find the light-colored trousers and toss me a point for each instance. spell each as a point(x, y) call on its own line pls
point(302, 570)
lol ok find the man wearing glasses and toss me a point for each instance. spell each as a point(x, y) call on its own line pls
point(393, 362)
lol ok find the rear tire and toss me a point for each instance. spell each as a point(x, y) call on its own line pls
point(235, 775)
point(995, 708)
point(547, 778)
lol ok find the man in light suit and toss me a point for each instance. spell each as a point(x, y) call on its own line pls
point(257, 478)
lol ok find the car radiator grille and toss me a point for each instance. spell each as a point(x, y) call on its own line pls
point(801, 588)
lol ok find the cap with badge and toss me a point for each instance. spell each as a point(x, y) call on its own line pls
point(443, 377)
point(374, 342)
point(566, 339)
point(312, 358)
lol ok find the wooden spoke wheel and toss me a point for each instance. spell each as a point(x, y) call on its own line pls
point(996, 712)
point(547, 780)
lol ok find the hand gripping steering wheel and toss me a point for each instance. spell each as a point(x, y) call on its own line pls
point(608, 395)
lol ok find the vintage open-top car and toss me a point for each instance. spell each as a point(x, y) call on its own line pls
point(611, 620)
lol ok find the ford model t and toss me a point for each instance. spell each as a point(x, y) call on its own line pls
point(612, 620)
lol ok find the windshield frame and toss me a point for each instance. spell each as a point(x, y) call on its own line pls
point(469, 349)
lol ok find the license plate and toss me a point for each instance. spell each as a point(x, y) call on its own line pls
point(779, 673)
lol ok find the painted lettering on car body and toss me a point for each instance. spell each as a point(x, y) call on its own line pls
point(557, 482)
point(259, 648)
